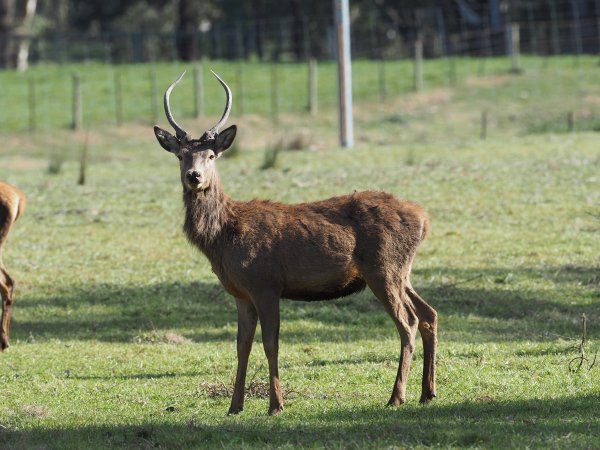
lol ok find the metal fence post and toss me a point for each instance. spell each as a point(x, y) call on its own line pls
point(344, 63)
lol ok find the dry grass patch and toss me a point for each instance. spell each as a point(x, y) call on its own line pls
point(489, 81)
point(255, 389)
point(39, 411)
point(154, 337)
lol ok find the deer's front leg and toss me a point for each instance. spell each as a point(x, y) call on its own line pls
point(268, 314)
point(5, 293)
point(247, 318)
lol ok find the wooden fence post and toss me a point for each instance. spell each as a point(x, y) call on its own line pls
point(32, 104)
point(485, 38)
point(118, 89)
point(418, 68)
point(577, 31)
point(77, 116)
point(198, 92)
point(381, 78)
point(534, 48)
point(455, 52)
point(555, 35)
point(83, 161)
point(484, 124)
point(274, 93)
point(570, 121)
point(515, 47)
point(240, 87)
point(312, 86)
point(153, 95)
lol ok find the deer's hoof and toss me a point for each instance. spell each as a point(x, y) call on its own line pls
point(427, 397)
point(395, 402)
point(274, 410)
point(233, 411)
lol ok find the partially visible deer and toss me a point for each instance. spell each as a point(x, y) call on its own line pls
point(12, 204)
point(262, 251)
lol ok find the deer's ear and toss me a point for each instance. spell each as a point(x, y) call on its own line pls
point(225, 139)
point(166, 140)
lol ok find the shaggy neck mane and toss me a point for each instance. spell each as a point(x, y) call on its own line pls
point(206, 213)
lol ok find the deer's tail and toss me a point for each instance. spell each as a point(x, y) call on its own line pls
point(424, 227)
point(20, 205)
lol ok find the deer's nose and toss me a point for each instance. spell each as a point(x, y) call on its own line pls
point(193, 176)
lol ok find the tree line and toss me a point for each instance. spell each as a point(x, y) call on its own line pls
point(264, 29)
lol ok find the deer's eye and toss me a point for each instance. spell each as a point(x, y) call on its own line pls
point(179, 157)
point(212, 156)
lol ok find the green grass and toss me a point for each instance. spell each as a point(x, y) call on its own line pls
point(122, 336)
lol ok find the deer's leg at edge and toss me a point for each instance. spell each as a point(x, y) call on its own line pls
point(428, 330)
point(6, 294)
point(267, 306)
point(247, 318)
point(399, 307)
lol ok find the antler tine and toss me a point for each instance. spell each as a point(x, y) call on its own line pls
point(228, 104)
point(179, 132)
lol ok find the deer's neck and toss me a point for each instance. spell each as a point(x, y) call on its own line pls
point(206, 215)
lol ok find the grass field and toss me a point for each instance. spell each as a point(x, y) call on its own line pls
point(122, 336)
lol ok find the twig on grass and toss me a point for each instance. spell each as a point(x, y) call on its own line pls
point(468, 280)
point(576, 363)
point(255, 372)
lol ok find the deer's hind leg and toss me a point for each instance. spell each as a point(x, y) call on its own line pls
point(398, 305)
point(247, 318)
point(7, 217)
point(267, 306)
point(428, 330)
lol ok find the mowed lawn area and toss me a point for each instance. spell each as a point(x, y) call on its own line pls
point(123, 337)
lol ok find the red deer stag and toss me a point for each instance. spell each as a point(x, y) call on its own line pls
point(262, 251)
point(12, 203)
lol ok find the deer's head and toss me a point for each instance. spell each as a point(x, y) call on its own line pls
point(197, 156)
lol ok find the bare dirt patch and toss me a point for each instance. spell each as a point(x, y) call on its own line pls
point(593, 99)
point(490, 81)
point(20, 163)
point(426, 99)
point(174, 338)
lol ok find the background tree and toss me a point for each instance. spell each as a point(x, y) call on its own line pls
point(16, 30)
point(7, 19)
point(190, 15)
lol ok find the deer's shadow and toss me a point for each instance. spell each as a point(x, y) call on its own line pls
point(494, 312)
